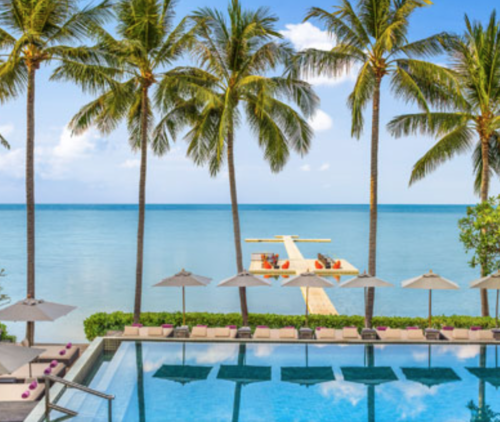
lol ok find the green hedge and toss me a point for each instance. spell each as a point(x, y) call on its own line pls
point(99, 324)
point(4, 336)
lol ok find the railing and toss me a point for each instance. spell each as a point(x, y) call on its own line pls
point(69, 384)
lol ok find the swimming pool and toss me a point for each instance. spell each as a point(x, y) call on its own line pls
point(155, 381)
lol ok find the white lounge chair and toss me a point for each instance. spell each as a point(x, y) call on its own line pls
point(323, 333)
point(37, 371)
point(14, 392)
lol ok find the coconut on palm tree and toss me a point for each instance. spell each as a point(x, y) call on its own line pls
point(371, 38)
point(468, 121)
point(232, 84)
point(34, 33)
point(124, 73)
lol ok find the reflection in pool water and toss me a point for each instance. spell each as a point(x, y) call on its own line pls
point(295, 382)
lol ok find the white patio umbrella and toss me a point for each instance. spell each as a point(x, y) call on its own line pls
point(33, 310)
point(184, 279)
point(365, 281)
point(490, 282)
point(13, 357)
point(307, 280)
point(430, 281)
point(244, 279)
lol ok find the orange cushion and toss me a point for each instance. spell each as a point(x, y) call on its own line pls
point(337, 265)
point(286, 265)
point(318, 265)
point(266, 265)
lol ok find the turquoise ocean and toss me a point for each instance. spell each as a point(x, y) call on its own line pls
point(86, 257)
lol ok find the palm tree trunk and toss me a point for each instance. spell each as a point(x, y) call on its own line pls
point(485, 187)
point(372, 245)
point(30, 195)
point(236, 223)
point(142, 206)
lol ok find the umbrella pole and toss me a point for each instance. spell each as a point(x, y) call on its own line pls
point(183, 306)
point(496, 315)
point(307, 306)
point(430, 308)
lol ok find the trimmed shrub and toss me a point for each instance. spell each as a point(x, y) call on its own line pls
point(99, 324)
point(4, 336)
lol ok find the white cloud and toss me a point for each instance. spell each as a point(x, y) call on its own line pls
point(320, 121)
point(131, 164)
point(305, 167)
point(324, 167)
point(74, 146)
point(7, 129)
point(12, 162)
point(341, 390)
point(306, 35)
point(262, 350)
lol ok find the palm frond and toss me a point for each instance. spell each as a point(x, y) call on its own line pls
point(454, 143)
point(358, 100)
point(433, 124)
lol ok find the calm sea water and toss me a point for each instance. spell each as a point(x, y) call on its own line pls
point(86, 257)
point(269, 382)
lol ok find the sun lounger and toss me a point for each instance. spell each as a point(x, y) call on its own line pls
point(455, 333)
point(37, 371)
point(17, 392)
point(165, 330)
point(414, 333)
point(323, 333)
point(262, 332)
point(228, 332)
point(288, 333)
point(200, 331)
point(59, 352)
point(389, 334)
point(481, 335)
point(350, 333)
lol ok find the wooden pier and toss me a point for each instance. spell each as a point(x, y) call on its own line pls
point(319, 302)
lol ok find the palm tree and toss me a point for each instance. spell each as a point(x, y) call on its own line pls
point(470, 120)
point(123, 73)
point(372, 38)
point(4, 142)
point(34, 33)
point(235, 56)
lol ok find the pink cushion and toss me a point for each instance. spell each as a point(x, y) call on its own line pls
point(53, 364)
point(447, 328)
point(62, 352)
point(33, 385)
point(201, 325)
point(412, 328)
point(476, 328)
point(167, 326)
point(47, 371)
point(137, 325)
point(382, 328)
point(231, 327)
point(26, 394)
point(69, 346)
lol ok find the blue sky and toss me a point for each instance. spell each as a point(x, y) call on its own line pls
point(97, 169)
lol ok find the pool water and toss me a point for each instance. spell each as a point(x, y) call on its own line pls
point(155, 381)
